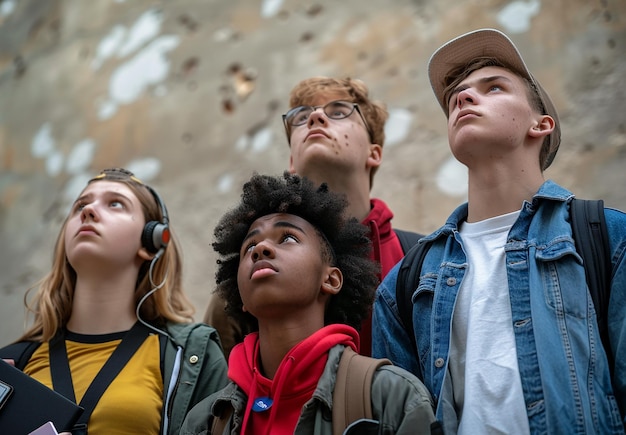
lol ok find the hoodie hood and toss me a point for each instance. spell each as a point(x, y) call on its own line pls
point(386, 251)
point(274, 405)
point(386, 248)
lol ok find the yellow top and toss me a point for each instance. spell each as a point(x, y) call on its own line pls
point(132, 403)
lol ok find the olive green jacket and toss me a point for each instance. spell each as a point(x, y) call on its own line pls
point(401, 404)
point(192, 364)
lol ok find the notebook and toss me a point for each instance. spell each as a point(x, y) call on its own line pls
point(32, 404)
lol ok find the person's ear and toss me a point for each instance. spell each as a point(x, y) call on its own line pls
point(544, 126)
point(292, 170)
point(333, 282)
point(144, 254)
point(375, 157)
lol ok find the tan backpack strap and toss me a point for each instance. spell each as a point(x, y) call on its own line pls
point(352, 398)
point(219, 423)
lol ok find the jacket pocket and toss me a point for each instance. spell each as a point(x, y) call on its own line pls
point(563, 281)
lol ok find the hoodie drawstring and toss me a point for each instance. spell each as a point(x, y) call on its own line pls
point(251, 397)
point(279, 389)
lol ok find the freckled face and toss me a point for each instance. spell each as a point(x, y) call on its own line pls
point(281, 269)
point(104, 225)
point(321, 140)
point(489, 115)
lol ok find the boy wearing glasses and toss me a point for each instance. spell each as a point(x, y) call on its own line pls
point(336, 134)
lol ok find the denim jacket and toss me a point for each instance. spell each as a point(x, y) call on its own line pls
point(563, 366)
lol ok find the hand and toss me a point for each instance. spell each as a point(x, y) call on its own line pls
point(9, 361)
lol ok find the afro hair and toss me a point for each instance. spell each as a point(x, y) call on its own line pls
point(324, 210)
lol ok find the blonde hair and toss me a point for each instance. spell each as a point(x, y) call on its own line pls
point(52, 303)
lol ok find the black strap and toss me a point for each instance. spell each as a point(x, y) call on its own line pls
point(592, 244)
point(20, 352)
point(407, 239)
point(62, 376)
point(406, 284)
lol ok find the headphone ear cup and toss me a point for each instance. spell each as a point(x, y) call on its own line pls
point(155, 236)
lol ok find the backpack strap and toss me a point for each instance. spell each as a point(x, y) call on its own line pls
point(407, 239)
point(352, 396)
point(62, 376)
point(219, 422)
point(592, 244)
point(20, 352)
point(406, 284)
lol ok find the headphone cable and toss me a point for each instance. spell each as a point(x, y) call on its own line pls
point(151, 292)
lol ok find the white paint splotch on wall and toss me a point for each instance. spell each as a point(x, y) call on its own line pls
point(76, 163)
point(43, 146)
point(7, 7)
point(452, 178)
point(397, 126)
point(108, 45)
point(256, 143)
point(73, 187)
point(146, 28)
point(148, 67)
point(225, 183)
point(516, 16)
point(270, 8)
point(146, 168)
point(80, 157)
point(43, 143)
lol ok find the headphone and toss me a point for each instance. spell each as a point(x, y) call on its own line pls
point(155, 237)
point(156, 234)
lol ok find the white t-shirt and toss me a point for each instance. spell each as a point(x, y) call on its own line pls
point(483, 359)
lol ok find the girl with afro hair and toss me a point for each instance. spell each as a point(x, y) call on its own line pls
point(297, 274)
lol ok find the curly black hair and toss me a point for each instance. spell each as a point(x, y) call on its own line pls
point(349, 245)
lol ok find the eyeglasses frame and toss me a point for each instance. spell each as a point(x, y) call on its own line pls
point(354, 106)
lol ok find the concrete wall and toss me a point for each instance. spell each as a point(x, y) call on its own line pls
point(188, 94)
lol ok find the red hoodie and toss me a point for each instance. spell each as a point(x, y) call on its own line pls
point(274, 405)
point(386, 250)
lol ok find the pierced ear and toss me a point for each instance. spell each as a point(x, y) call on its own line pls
point(375, 157)
point(544, 127)
point(333, 282)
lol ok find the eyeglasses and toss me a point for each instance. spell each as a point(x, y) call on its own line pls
point(333, 110)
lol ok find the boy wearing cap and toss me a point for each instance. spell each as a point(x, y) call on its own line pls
point(505, 330)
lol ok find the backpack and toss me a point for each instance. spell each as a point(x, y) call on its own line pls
point(592, 244)
point(407, 239)
point(352, 398)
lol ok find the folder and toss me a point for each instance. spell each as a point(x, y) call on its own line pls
point(31, 404)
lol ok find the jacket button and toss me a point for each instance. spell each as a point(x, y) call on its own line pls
point(451, 281)
point(439, 363)
point(193, 359)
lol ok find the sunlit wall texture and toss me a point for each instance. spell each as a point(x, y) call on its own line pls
point(188, 94)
